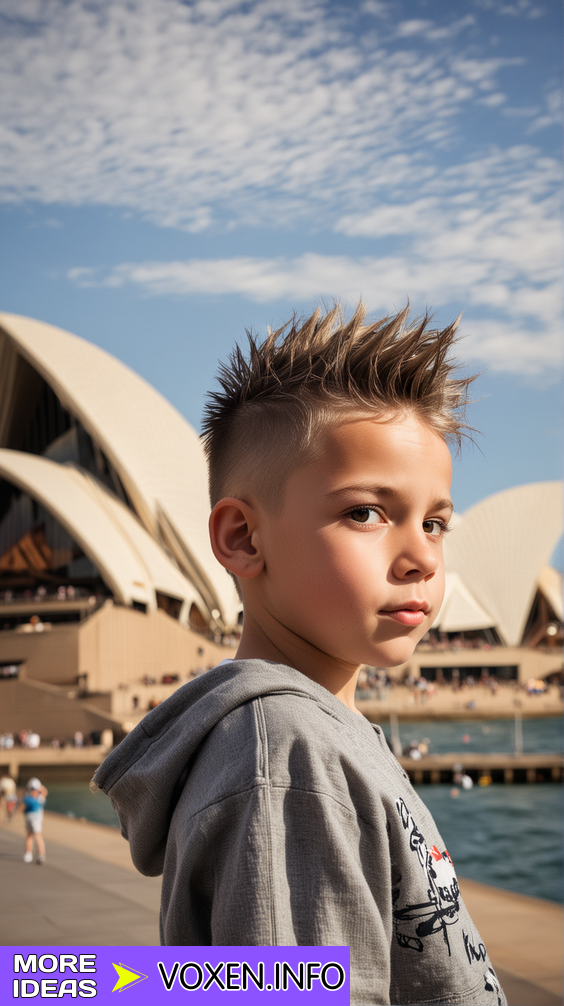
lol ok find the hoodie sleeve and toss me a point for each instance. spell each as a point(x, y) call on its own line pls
point(282, 837)
point(268, 867)
point(278, 864)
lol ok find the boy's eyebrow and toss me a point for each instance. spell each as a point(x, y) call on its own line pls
point(438, 504)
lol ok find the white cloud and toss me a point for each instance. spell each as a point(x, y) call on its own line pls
point(551, 114)
point(376, 7)
point(513, 342)
point(400, 218)
point(415, 26)
point(450, 31)
point(429, 30)
point(513, 349)
point(217, 113)
point(494, 99)
point(267, 112)
point(484, 236)
point(488, 234)
point(520, 8)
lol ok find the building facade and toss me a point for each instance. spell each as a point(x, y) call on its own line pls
point(107, 578)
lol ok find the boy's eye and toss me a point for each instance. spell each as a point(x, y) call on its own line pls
point(434, 527)
point(365, 515)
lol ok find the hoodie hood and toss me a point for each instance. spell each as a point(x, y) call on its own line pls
point(145, 774)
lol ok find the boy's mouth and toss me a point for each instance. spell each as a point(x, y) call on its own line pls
point(411, 613)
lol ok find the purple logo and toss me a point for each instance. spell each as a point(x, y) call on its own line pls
point(148, 975)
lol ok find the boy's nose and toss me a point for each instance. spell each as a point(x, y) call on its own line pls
point(418, 558)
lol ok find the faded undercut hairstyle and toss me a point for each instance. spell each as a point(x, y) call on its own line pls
point(266, 420)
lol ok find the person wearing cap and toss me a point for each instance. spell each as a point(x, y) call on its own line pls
point(32, 806)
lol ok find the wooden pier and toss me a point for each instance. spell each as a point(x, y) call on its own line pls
point(77, 764)
point(68, 764)
point(505, 768)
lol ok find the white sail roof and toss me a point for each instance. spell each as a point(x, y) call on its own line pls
point(124, 553)
point(162, 573)
point(460, 612)
point(500, 547)
point(156, 453)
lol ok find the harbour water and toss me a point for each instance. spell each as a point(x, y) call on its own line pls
point(506, 835)
point(445, 736)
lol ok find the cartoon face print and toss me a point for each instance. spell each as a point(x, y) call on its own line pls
point(416, 921)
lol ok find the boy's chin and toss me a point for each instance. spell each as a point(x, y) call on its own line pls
point(393, 652)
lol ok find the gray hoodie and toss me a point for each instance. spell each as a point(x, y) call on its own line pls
point(278, 817)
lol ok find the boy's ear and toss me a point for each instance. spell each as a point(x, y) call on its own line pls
point(234, 537)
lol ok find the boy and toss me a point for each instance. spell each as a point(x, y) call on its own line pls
point(32, 807)
point(275, 811)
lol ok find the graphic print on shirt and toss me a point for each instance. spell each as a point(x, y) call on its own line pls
point(491, 984)
point(414, 922)
point(473, 953)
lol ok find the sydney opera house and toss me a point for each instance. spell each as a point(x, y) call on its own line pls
point(109, 592)
point(502, 610)
point(107, 578)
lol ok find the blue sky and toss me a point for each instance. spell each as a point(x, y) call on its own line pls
point(173, 173)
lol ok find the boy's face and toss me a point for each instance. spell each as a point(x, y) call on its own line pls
point(353, 563)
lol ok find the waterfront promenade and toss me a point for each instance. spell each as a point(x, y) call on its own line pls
point(477, 703)
point(88, 893)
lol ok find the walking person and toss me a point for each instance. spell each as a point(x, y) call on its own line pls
point(32, 806)
point(8, 792)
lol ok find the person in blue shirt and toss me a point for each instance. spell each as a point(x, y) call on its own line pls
point(32, 806)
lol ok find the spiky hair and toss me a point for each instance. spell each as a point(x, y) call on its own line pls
point(306, 375)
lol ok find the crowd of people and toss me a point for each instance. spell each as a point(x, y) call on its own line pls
point(30, 739)
point(435, 640)
point(149, 681)
point(23, 739)
point(41, 593)
point(63, 593)
point(375, 683)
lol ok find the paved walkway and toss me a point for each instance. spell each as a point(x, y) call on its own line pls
point(524, 940)
point(88, 893)
point(80, 896)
